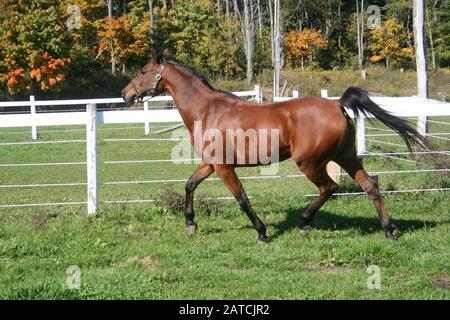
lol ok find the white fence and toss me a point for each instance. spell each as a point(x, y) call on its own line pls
point(401, 106)
point(146, 116)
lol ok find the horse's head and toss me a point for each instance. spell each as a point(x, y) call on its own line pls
point(148, 82)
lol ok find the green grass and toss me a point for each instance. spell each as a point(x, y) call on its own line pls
point(142, 252)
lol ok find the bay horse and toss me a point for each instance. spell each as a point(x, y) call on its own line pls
point(312, 131)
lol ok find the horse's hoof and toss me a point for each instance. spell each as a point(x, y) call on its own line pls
point(304, 231)
point(390, 232)
point(190, 230)
point(263, 239)
point(391, 237)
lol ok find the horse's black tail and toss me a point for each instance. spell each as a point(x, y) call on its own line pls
point(357, 100)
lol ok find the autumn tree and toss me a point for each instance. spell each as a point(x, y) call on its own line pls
point(303, 44)
point(126, 40)
point(200, 38)
point(390, 43)
point(34, 46)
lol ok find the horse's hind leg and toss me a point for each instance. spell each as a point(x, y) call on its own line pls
point(227, 174)
point(203, 171)
point(319, 176)
point(357, 172)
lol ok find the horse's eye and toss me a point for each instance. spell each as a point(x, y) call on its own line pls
point(143, 71)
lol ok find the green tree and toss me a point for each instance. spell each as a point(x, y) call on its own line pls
point(199, 38)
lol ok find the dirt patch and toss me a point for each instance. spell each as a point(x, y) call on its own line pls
point(135, 234)
point(399, 278)
point(148, 262)
point(38, 221)
point(327, 269)
point(441, 282)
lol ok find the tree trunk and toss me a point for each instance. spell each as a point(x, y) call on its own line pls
point(236, 9)
point(260, 23)
point(339, 18)
point(328, 25)
point(152, 23)
point(360, 37)
point(165, 3)
point(358, 30)
point(113, 60)
point(277, 47)
point(272, 37)
point(421, 61)
point(420, 45)
point(227, 8)
point(249, 36)
point(433, 55)
point(218, 8)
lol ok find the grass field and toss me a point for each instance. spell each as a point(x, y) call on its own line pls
point(140, 251)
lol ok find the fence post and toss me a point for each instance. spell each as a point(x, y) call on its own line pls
point(147, 124)
point(295, 94)
point(258, 94)
point(324, 93)
point(33, 112)
point(361, 135)
point(422, 125)
point(91, 152)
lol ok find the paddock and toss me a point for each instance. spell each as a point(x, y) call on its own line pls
point(371, 139)
point(135, 246)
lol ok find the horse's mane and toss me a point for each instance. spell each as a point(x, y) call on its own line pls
point(197, 74)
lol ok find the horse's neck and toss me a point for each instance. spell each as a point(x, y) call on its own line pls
point(190, 96)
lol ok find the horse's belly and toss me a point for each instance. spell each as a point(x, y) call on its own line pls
point(244, 152)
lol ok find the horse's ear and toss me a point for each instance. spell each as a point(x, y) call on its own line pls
point(154, 56)
point(166, 53)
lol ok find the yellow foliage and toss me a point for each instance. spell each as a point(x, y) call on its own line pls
point(303, 44)
point(390, 43)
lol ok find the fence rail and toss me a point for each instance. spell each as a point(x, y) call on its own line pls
point(402, 106)
point(146, 116)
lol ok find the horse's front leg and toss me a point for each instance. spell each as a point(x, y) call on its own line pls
point(203, 171)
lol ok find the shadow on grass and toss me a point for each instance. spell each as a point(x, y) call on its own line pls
point(326, 220)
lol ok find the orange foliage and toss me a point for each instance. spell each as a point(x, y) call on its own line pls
point(119, 33)
point(47, 71)
point(15, 77)
point(303, 44)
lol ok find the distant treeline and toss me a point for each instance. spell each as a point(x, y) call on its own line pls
point(74, 48)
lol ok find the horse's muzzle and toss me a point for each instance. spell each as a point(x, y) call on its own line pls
point(128, 97)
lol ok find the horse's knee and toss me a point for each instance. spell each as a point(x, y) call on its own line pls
point(190, 186)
